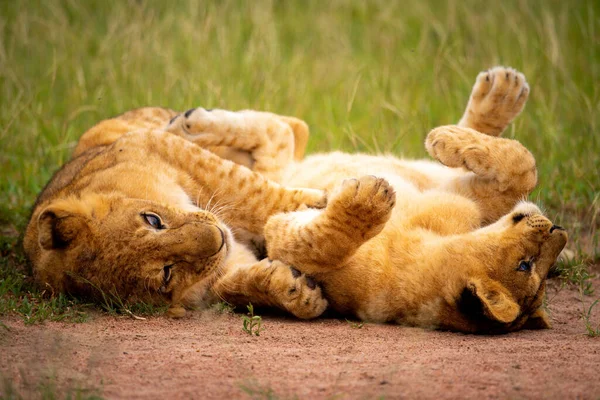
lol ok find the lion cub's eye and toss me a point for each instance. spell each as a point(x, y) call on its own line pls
point(153, 220)
point(524, 266)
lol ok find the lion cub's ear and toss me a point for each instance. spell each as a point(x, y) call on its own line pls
point(59, 226)
point(301, 133)
point(496, 300)
point(538, 320)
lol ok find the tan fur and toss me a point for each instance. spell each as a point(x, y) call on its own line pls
point(492, 87)
point(90, 234)
point(450, 244)
point(416, 243)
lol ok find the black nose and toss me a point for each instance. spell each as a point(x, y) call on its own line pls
point(560, 228)
point(188, 112)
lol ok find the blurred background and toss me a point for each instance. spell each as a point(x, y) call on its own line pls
point(370, 76)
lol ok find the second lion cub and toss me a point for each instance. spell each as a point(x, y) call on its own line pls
point(447, 245)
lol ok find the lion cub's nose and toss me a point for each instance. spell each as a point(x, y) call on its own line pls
point(209, 240)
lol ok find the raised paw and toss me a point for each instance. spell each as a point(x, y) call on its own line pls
point(262, 141)
point(297, 293)
point(207, 127)
point(498, 96)
point(457, 147)
point(367, 198)
point(198, 121)
point(244, 130)
point(504, 161)
point(319, 240)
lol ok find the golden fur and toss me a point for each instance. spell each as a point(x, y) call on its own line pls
point(124, 217)
point(416, 242)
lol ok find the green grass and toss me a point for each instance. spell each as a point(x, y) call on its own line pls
point(256, 391)
point(252, 324)
point(593, 329)
point(370, 76)
point(19, 295)
point(45, 389)
point(576, 272)
point(355, 325)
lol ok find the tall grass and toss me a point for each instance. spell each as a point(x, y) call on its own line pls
point(367, 76)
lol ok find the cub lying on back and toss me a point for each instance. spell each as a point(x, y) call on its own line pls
point(424, 244)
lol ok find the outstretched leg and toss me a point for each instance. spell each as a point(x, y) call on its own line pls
point(271, 141)
point(502, 171)
point(247, 198)
point(271, 283)
point(498, 96)
point(315, 240)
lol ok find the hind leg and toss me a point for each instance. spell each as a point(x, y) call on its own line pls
point(500, 171)
point(498, 96)
point(316, 240)
point(270, 141)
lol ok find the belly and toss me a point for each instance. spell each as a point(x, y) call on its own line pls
point(326, 171)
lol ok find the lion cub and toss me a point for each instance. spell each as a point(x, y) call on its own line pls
point(144, 214)
point(144, 211)
point(449, 246)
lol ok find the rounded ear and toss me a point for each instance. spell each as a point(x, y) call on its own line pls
point(58, 227)
point(496, 300)
point(538, 320)
point(301, 133)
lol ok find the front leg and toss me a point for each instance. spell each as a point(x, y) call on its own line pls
point(272, 141)
point(271, 283)
point(498, 96)
point(246, 199)
point(316, 240)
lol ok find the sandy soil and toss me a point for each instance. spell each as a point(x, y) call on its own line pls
point(209, 356)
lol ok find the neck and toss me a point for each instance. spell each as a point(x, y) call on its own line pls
point(438, 275)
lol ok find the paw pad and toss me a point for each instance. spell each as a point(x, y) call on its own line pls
point(301, 295)
point(498, 96)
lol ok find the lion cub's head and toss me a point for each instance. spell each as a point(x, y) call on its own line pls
point(139, 249)
point(517, 254)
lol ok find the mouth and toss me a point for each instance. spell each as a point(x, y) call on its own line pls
point(223, 240)
point(224, 235)
point(166, 277)
point(551, 249)
point(205, 269)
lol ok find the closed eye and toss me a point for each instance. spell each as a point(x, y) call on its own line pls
point(518, 217)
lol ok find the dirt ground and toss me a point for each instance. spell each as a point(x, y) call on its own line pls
point(209, 356)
